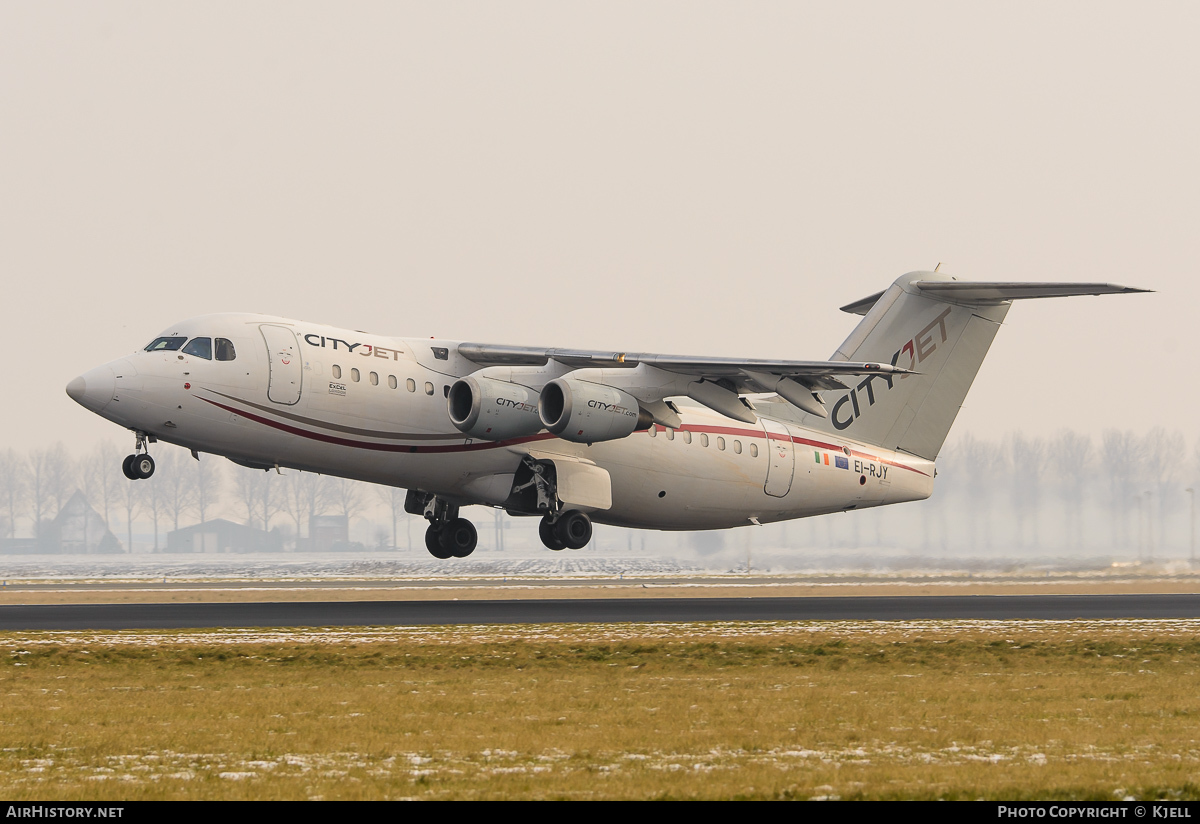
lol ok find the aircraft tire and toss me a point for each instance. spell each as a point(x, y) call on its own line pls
point(574, 529)
point(127, 467)
point(459, 538)
point(549, 536)
point(143, 466)
point(433, 542)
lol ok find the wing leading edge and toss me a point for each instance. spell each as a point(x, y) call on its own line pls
point(714, 382)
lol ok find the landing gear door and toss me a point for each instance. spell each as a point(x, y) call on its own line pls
point(781, 458)
point(287, 371)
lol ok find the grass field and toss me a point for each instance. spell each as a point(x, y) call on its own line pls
point(767, 710)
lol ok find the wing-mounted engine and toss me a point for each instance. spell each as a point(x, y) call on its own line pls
point(492, 409)
point(585, 412)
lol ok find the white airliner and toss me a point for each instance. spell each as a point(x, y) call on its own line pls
point(636, 440)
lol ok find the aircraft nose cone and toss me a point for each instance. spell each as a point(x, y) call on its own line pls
point(93, 389)
point(77, 388)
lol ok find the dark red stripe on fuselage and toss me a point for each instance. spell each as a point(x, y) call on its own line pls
point(543, 436)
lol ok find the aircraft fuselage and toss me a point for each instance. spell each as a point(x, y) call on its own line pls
point(271, 392)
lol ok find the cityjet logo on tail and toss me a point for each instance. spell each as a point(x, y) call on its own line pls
point(367, 350)
point(919, 347)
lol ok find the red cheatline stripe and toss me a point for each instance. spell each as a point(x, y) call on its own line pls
point(378, 447)
point(474, 447)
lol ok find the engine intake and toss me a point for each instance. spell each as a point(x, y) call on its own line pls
point(588, 412)
point(492, 409)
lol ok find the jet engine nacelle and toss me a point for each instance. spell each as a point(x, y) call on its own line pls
point(586, 412)
point(492, 409)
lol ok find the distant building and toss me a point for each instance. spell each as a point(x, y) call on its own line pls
point(76, 529)
point(328, 533)
point(220, 535)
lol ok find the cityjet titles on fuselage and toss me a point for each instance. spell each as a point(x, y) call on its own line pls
point(366, 349)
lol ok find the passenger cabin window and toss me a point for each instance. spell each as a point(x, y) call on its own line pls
point(392, 382)
point(225, 350)
point(687, 436)
point(703, 439)
point(354, 375)
point(374, 379)
point(720, 443)
point(411, 384)
point(337, 371)
point(165, 344)
point(753, 450)
point(737, 447)
point(670, 434)
point(199, 347)
point(428, 388)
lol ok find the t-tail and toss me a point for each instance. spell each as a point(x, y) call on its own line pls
point(941, 329)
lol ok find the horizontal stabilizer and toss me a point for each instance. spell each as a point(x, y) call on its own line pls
point(999, 291)
point(861, 307)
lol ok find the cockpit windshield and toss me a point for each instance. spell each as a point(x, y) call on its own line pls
point(199, 347)
point(165, 344)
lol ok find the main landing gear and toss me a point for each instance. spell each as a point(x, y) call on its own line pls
point(537, 481)
point(138, 466)
point(448, 535)
point(570, 530)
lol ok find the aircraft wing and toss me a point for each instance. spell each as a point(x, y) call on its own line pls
point(714, 382)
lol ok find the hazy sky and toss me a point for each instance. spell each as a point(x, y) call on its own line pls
point(693, 178)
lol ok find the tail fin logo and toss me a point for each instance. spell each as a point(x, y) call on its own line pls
point(919, 347)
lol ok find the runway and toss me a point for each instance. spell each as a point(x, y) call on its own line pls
point(447, 612)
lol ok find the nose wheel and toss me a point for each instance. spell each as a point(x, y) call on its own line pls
point(571, 530)
point(138, 467)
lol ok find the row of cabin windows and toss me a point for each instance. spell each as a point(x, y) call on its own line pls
point(687, 438)
point(373, 377)
point(197, 347)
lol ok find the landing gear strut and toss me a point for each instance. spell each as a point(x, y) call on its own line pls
point(570, 530)
point(448, 535)
point(138, 466)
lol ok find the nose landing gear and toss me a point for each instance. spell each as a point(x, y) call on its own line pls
point(138, 466)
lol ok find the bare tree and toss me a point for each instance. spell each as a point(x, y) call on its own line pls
point(206, 485)
point(1070, 457)
point(104, 477)
point(262, 500)
point(175, 485)
point(348, 497)
point(154, 499)
point(306, 494)
point(130, 497)
point(1162, 459)
point(13, 488)
point(1121, 455)
point(1028, 466)
point(245, 484)
point(393, 498)
point(48, 479)
point(980, 463)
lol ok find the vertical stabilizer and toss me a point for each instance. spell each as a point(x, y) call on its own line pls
point(940, 328)
point(944, 342)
